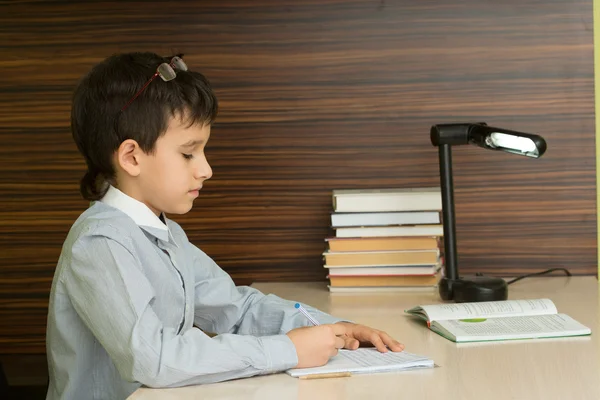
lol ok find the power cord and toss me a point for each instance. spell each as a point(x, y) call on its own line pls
point(566, 271)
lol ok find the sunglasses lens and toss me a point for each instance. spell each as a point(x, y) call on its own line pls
point(178, 63)
point(166, 72)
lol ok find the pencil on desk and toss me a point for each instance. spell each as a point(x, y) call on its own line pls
point(327, 375)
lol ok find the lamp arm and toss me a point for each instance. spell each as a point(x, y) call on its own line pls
point(447, 189)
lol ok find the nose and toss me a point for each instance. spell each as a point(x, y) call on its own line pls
point(202, 170)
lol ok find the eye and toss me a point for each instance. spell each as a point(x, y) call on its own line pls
point(187, 156)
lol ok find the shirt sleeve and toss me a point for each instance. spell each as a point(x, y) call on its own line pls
point(112, 296)
point(221, 306)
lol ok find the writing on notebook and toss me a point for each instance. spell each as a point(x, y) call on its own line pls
point(367, 358)
point(365, 361)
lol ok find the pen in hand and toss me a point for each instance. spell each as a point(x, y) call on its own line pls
point(309, 317)
point(313, 321)
point(306, 314)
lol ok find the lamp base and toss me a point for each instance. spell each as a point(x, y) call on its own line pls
point(473, 289)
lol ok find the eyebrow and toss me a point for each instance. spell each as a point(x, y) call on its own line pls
point(192, 143)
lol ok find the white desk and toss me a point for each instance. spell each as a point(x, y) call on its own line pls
point(565, 368)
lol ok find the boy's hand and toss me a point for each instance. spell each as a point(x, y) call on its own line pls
point(315, 345)
point(357, 335)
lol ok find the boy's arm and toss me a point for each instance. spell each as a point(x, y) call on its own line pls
point(114, 299)
point(222, 307)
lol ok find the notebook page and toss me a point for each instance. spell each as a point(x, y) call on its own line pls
point(489, 309)
point(366, 360)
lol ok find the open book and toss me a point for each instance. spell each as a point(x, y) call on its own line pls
point(364, 361)
point(499, 320)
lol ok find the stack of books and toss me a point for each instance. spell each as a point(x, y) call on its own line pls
point(385, 240)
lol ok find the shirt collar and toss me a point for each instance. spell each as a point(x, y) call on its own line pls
point(139, 213)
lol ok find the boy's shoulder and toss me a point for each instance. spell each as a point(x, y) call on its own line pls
point(102, 220)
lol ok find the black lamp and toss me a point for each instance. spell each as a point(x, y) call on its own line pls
point(472, 288)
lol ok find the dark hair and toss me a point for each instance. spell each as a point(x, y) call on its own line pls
point(99, 127)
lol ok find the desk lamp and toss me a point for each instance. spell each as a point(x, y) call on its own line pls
point(472, 288)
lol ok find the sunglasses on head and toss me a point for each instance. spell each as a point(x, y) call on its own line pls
point(167, 73)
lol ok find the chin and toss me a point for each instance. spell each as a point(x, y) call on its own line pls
point(183, 209)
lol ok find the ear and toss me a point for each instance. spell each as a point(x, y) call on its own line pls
point(129, 156)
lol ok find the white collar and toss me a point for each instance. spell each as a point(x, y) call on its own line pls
point(138, 212)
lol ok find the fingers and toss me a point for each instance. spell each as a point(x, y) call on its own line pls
point(353, 335)
point(339, 329)
point(390, 342)
point(350, 343)
point(339, 342)
point(377, 342)
point(337, 345)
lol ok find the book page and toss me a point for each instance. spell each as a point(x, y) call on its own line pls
point(524, 327)
point(366, 360)
point(486, 309)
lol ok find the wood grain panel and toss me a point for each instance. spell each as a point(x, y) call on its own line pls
point(315, 96)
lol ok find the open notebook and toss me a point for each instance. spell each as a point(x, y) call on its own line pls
point(365, 361)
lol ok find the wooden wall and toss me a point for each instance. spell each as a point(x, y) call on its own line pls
point(315, 95)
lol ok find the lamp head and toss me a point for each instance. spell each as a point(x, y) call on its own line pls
point(488, 137)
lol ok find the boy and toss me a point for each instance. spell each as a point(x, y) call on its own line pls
point(132, 298)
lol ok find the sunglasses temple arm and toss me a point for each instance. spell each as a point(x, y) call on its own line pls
point(139, 92)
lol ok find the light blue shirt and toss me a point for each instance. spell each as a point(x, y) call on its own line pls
point(128, 296)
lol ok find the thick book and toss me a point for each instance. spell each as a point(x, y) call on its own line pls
point(402, 230)
point(378, 200)
point(381, 258)
point(384, 218)
point(384, 271)
point(399, 280)
point(499, 320)
point(383, 243)
point(366, 361)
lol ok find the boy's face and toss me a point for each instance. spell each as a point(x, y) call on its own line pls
point(170, 178)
